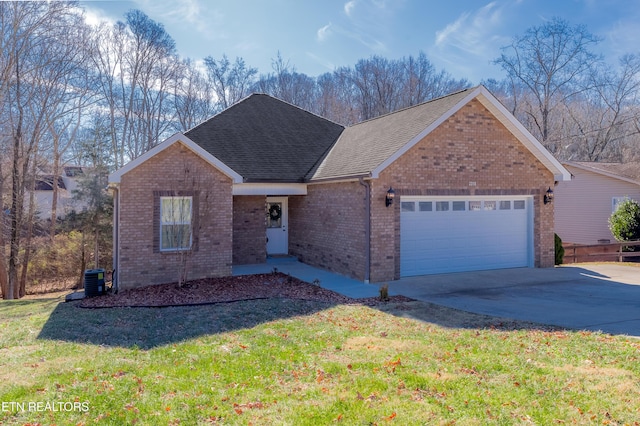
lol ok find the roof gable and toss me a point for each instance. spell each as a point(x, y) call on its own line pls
point(367, 148)
point(267, 140)
point(116, 176)
point(264, 139)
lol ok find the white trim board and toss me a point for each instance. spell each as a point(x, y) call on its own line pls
point(116, 176)
point(505, 117)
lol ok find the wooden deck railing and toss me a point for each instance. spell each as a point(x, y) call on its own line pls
point(611, 252)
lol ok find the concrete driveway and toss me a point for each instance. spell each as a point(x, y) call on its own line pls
point(594, 297)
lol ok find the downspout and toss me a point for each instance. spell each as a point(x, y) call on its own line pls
point(367, 230)
point(116, 234)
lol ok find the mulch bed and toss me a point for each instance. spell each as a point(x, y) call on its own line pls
point(225, 290)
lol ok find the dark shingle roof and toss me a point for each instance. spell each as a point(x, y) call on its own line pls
point(265, 139)
point(45, 183)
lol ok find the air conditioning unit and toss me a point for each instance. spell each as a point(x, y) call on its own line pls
point(94, 284)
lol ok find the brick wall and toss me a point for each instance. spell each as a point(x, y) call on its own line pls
point(174, 169)
point(471, 146)
point(327, 227)
point(249, 230)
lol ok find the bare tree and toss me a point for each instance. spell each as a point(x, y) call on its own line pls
point(554, 62)
point(69, 98)
point(30, 31)
point(422, 82)
point(138, 69)
point(230, 82)
point(184, 210)
point(335, 98)
point(377, 82)
point(607, 119)
point(193, 97)
point(287, 84)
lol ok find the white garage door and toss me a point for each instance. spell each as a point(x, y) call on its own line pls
point(455, 234)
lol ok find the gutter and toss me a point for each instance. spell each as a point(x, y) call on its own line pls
point(367, 230)
point(341, 178)
point(115, 192)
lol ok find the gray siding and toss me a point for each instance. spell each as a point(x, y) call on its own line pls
point(584, 205)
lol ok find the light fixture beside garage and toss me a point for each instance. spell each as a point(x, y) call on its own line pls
point(390, 196)
point(548, 197)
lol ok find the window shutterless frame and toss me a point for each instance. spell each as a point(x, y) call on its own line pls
point(176, 223)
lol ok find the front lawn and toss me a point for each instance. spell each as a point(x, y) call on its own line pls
point(277, 361)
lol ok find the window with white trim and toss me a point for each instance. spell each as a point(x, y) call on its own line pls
point(615, 202)
point(175, 223)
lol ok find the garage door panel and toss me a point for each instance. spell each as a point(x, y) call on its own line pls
point(453, 241)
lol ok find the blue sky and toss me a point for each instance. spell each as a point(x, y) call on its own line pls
point(317, 36)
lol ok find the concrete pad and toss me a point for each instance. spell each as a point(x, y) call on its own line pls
point(76, 295)
point(597, 297)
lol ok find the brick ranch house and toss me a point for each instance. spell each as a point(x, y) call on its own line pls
point(267, 178)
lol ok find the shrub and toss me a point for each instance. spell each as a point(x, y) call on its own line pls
point(384, 293)
point(559, 250)
point(59, 264)
point(624, 223)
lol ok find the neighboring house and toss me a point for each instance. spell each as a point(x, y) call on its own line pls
point(267, 178)
point(584, 204)
point(67, 183)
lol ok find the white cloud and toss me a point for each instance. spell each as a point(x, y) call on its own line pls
point(621, 38)
point(349, 6)
point(324, 32)
point(195, 14)
point(473, 33)
point(466, 45)
point(95, 16)
point(451, 30)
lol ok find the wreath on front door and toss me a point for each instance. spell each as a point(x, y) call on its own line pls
point(275, 212)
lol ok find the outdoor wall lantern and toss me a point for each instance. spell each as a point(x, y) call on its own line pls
point(548, 197)
point(390, 196)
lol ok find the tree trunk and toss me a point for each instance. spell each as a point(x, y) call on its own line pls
point(54, 200)
point(16, 202)
point(83, 262)
point(96, 248)
point(4, 283)
point(22, 291)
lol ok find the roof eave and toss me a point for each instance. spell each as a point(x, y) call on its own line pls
point(336, 178)
point(602, 172)
point(513, 125)
point(116, 176)
point(560, 173)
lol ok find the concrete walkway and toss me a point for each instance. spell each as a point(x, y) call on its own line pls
point(599, 297)
point(290, 265)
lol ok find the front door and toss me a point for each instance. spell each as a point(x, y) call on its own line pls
point(277, 225)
